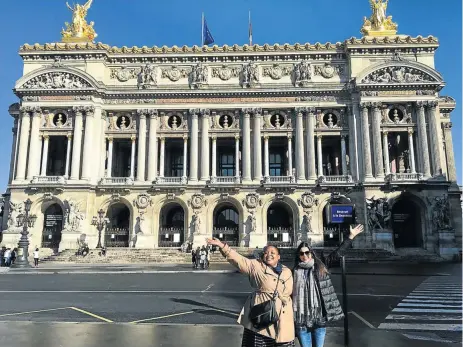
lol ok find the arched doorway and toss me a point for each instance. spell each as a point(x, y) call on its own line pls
point(406, 224)
point(52, 227)
point(117, 232)
point(226, 224)
point(172, 222)
point(280, 230)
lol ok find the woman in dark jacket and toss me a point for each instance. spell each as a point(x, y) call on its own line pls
point(314, 298)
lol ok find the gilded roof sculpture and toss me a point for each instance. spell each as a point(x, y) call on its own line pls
point(378, 24)
point(79, 30)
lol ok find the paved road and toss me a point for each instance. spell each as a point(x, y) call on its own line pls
point(202, 298)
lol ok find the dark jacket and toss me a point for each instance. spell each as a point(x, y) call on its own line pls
point(331, 307)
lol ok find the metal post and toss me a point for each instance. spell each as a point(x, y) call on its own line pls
point(344, 291)
point(25, 220)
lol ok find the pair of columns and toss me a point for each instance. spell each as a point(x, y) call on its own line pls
point(163, 153)
point(46, 140)
point(132, 158)
point(237, 158)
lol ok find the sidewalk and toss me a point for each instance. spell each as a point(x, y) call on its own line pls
point(23, 334)
point(352, 269)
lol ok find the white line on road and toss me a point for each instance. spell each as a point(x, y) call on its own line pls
point(410, 304)
point(162, 317)
point(208, 287)
point(367, 323)
point(434, 301)
point(425, 310)
point(424, 317)
point(405, 326)
point(437, 297)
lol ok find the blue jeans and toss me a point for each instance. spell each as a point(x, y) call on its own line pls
point(311, 337)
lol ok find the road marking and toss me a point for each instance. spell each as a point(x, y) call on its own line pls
point(208, 287)
point(412, 304)
point(426, 338)
point(425, 310)
point(434, 301)
point(218, 310)
point(423, 317)
point(91, 314)
point(162, 317)
point(368, 324)
point(37, 311)
point(437, 297)
point(432, 327)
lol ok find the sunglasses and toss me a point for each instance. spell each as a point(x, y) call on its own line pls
point(305, 253)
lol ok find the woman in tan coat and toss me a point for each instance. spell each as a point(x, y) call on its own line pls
point(266, 275)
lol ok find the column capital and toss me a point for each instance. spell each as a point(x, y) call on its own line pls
point(185, 138)
point(290, 136)
point(133, 138)
point(376, 105)
point(343, 137)
point(432, 104)
point(256, 111)
point(266, 137)
point(147, 112)
point(421, 104)
point(69, 136)
point(162, 138)
point(110, 138)
point(300, 111)
point(30, 109)
point(89, 111)
point(214, 138)
point(45, 136)
point(410, 131)
point(205, 112)
point(194, 112)
point(237, 137)
point(78, 110)
point(447, 125)
point(364, 105)
point(385, 132)
point(318, 136)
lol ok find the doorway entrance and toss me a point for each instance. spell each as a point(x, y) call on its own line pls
point(406, 224)
point(52, 227)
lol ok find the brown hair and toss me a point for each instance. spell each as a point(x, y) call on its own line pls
point(319, 265)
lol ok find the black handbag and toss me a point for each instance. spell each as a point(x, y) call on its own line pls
point(265, 314)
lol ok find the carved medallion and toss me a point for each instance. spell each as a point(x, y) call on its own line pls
point(124, 74)
point(328, 71)
point(142, 201)
point(174, 73)
point(252, 200)
point(276, 71)
point(197, 201)
point(225, 72)
point(308, 200)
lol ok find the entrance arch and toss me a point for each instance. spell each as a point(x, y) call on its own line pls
point(226, 223)
point(172, 222)
point(117, 232)
point(280, 222)
point(52, 227)
point(406, 221)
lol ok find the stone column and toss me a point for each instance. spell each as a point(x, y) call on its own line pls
point(153, 147)
point(290, 155)
point(14, 152)
point(141, 160)
point(161, 158)
point(352, 115)
point(77, 144)
point(237, 159)
point(423, 138)
point(343, 155)
point(257, 145)
point(185, 156)
point(310, 139)
point(300, 164)
point(23, 142)
point(194, 146)
point(377, 148)
point(411, 151)
point(132, 158)
point(451, 169)
point(68, 156)
point(366, 142)
point(214, 158)
point(35, 147)
point(205, 173)
point(266, 157)
point(43, 171)
point(246, 150)
point(434, 128)
point(319, 155)
point(386, 152)
point(88, 144)
point(110, 157)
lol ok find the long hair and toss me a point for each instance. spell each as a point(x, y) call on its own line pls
point(319, 265)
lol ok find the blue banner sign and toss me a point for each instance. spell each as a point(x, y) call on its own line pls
point(341, 214)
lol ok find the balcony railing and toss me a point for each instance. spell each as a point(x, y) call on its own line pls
point(171, 237)
point(280, 237)
point(398, 177)
point(225, 180)
point(335, 179)
point(48, 180)
point(225, 231)
point(116, 181)
point(227, 234)
point(171, 180)
point(279, 179)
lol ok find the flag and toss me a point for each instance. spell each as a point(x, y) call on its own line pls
point(250, 30)
point(207, 36)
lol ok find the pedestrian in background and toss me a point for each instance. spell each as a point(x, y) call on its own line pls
point(272, 281)
point(7, 257)
point(36, 257)
point(314, 298)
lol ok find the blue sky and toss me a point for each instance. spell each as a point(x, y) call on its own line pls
point(178, 22)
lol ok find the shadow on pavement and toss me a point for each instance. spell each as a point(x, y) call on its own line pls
point(209, 310)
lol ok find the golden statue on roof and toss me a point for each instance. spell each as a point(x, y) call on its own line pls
point(378, 24)
point(79, 30)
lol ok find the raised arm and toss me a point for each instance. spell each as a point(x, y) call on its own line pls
point(341, 250)
point(69, 7)
point(243, 264)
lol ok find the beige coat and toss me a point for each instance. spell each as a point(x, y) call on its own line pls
point(264, 280)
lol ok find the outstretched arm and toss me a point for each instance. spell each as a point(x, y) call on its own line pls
point(339, 252)
point(242, 263)
point(69, 7)
point(87, 5)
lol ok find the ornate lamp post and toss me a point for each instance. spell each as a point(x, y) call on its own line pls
point(100, 222)
point(24, 220)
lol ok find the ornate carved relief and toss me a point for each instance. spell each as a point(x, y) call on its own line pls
point(56, 120)
point(199, 76)
point(251, 201)
point(397, 74)
point(302, 73)
point(14, 209)
point(129, 101)
point(147, 77)
point(276, 71)
point(225, 72)
point(317, 98)
point(124, 74)
point(72, 216)
point(328, 71)
point(250, 74)
point(308, 200)
point(121, 122)
point(56, 80)
point(197, 201)
point(175, 73)
point(378, 213)
point(142, 201)
point(441, 217)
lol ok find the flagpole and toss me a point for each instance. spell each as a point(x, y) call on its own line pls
point(250, 29)
point(202, 29)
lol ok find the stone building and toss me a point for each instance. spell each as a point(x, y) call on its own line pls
point(244, 143)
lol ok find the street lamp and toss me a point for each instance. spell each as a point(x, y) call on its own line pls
point(100, 222)
point(24, 220)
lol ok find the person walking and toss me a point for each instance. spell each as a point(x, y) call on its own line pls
point(193, 258)
point(36, 257)
point(7, 256)
point(314, 298)
point(272, 282)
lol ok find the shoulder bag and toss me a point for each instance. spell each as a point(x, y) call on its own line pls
point(265, 314)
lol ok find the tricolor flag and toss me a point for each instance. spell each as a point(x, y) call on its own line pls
point(250, 30)
point(206, 35)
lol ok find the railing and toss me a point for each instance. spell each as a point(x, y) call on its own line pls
point(168, 238)
point(116, 181)
point(228, 235)
point(171, 180)
point(405, 177)
point(335, 179)
point(279, 179)
point(280, 237)
point(49, 180)
point(225, 231)
point(225, 180)
point(117, 237)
